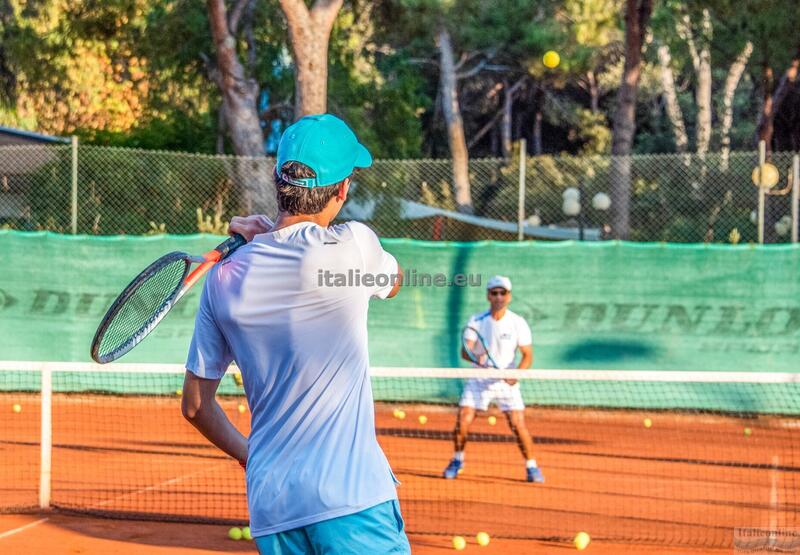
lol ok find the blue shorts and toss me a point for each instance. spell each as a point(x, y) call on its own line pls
point(377, 531)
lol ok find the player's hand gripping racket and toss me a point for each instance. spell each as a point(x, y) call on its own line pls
point(150, 296)
point(476, 349)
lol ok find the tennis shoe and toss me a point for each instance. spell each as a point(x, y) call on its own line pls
point(453, 469)
point(535, 475)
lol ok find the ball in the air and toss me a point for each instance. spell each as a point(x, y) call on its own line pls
point(551, 59)
point(17, 407)
point(423, 419)
point(647, 422)
point(581, 540)
point(492, 420)
point(459, 543)
point(747, 431)
point(246, 533)
point(482, 538)
point(242, 408)
point(235, 533)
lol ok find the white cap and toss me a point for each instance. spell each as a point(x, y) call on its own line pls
point(499, 281)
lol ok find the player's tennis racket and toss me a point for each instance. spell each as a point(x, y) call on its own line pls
point(476, 348)
point(150, 296)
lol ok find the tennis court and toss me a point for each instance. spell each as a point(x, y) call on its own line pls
point(120, 448)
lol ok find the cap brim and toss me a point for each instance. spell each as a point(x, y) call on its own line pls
point(363, 158)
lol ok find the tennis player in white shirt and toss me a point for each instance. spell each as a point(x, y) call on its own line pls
point(504, 333)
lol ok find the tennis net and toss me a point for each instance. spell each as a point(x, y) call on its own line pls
point(678, 458)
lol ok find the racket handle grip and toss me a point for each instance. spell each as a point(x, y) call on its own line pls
point(230, 245)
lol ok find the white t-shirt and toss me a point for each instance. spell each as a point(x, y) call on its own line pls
point(502, 336)
point(299, 336)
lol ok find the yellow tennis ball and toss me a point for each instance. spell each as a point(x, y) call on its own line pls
point(178, 392)
point(551, 59)
point(647, 422)
point(492, 420)
point(242, 408)
point(581, 540)
point(235, 533)
point(459, 543)
point(482, 538)
point(400, 414)
point(423, 419)
point(246, 533)
point(747, 431)
point(17, 407)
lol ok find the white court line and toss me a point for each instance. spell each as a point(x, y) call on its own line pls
point(158, 486)
point(22, 528)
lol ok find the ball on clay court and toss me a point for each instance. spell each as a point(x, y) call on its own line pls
point(459, 543)
point(423, 419)
point(246, 533)
point(17, 408)
point(492, 420)
point(400, 414)
point(581, 540)
point(551, 59)
point(178, 392)
point(242, 408)
point(747, 431)
point(647, 422)
point(235, 533)
point(482, 538)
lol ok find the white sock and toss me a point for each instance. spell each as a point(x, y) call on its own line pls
point(459, 456)
point(530, 463)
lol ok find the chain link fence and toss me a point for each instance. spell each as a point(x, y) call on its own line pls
point(675, 198)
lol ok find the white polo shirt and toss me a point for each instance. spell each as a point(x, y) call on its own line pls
point(283, 308)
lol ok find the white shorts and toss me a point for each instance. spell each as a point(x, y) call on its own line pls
point(479, 394)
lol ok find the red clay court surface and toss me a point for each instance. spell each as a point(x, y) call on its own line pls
point(685, 483)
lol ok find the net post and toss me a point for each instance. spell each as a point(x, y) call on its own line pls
point(74, 183)
point(795, 196)
point(521, 198)
point(46, 439)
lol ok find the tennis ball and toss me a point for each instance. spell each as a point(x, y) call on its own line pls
point(237, 378)
point(459, 543)
point(178, 392)
point(242, 408)
point(400, 414)
point(423, 419)
point(551, 59)
point(482, 538)
point(17, 408)
point(246, 533)
point(647, 422)
point(581, 540)
point(235, 533)
point(492, 420)
point(747, 431)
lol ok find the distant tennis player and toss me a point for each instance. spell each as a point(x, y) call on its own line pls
point(503, 332)
point(317, 480)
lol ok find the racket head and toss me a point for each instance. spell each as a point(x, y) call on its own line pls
point(140, 307)
point(476, 348)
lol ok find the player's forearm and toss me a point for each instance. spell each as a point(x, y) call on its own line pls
point(525, 362)
point(211, 421)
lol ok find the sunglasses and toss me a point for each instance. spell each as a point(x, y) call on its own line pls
point(498, 292)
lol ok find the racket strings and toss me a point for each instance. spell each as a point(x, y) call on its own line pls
point(143, 306)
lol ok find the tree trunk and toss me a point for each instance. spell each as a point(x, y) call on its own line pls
point(451, 110)
point(731, 82)
point(505, 125)
point(637, 15)
point(773, 101)
point(671, 96)
point(594, 91)
point(239, 95)
point(538, 100)
point(704, 89)
point(309, 33)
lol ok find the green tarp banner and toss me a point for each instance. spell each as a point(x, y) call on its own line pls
point(604, 305)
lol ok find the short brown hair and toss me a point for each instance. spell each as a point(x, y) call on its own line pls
point(294, 199)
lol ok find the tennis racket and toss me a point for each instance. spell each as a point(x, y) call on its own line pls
point(476, 349)
point(150, 296)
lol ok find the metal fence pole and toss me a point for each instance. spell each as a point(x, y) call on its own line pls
point(795, 196)
point(74, 202)
point(762, 158)
point(521, 199)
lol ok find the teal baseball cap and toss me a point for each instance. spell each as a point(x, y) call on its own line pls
point(325, 144)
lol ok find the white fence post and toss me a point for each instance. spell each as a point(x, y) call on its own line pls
point(521, 199)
